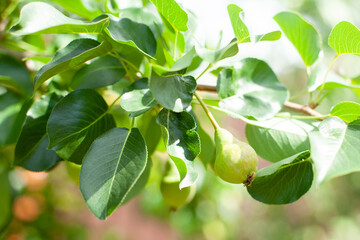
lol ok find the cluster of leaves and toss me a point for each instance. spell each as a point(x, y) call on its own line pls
point(147, 58)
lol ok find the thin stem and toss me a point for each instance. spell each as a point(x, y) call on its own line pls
point(299, 95)
point(203, 72)
point(302, 117)
point(324, 81)
point(292, 164)
point(307, 110)
point(310, 96)
point(133, 66)
point(112, 104)
point(208, 113)
point(308, 72)
point(206, 88)
point(128, 62)
point(132, 122)
point(123, 64)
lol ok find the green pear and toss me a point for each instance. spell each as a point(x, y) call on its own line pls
point(236, 161)
point(171, 192)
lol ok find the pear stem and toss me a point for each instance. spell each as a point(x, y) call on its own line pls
point(207, 111)
point(318, 98)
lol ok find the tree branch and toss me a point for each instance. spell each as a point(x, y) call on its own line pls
point(206, 88)
point(289, 105)
point(302, 109)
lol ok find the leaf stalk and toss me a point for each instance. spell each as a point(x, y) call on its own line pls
point(207, 111)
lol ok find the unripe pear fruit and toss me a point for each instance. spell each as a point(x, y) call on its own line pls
point(171, 192)
point(236, 161)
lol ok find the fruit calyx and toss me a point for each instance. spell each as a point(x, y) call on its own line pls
point(250, 179)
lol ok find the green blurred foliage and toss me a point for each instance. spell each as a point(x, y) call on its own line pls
point(219, 210)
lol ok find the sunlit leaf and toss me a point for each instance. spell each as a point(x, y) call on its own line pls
point(74, 54)
point(347, 111)
point(278, 138)
point(302, 34)
point(239, 27)
point(173, 13)
point(173, 92)
point(252, 89)
point(271, 36)
point(182, 143)
point(334, 148)
point(184, 62)
point(42, 18)
point(80, 8)
point(229, 50)
point(345, 38)
point(125, 31)
point(137, 98)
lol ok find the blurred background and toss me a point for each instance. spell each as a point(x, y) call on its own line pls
point(49, 205)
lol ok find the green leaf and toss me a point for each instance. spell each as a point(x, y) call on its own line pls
point(140, 183)
point(14, 75)
point(42, 18)
point(173, 13)
point(13, 110)
point(182, 143)
point(125, 32)
point(3, 6)
point(345, 38)
point(278, 138)
point(334, 148)
point(239, 27)
point(180, 44)
point(229, 50)
point(30, 150)
point(173, 92)
point(6, 198)
point(145, 15)
point(184, 62)
point(79, 7)
point(316, 77)
point(39, 59)
point(333, 81)
point(137, 98)
point(74, 54)
point(179, 67)
point(302, 34)
point(150, 130)
point(251, 90)
point(347, 111)
point(283, 182)
point(76, 121)
point(339, 83)
point(271, 36)
point(101, 72)
point(207, 154)
point(111, 168)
